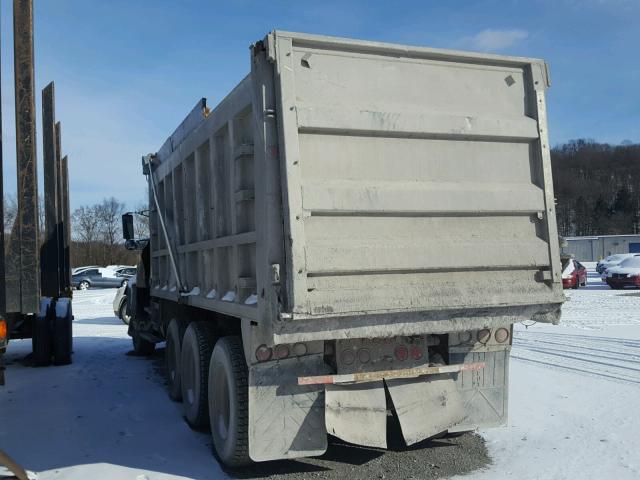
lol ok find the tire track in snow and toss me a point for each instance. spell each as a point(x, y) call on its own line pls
point(606, 357)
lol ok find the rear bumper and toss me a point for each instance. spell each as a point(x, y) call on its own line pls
point(389, 374)
point(294, 328)
point(569, 282)
point(623, 282)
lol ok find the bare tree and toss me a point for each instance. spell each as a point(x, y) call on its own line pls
point(141, 220)
point(85, 225)
point(109, 214)
point(10, 212)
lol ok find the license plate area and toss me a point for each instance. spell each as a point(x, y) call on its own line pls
point(375, 354)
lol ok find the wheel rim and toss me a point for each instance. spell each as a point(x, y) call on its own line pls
point(188, 380)
point(222, 404)
point(84, 285)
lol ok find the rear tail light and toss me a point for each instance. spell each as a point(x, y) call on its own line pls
point(416, 352)
point(347, 356)
point(263, 353)
point(281, 351)
point(299, 349)
point(3, 330)
point(401, 353)
point(364, 356)
point(484, 335)
point(502, 334)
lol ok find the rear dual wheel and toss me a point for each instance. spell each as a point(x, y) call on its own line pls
point(197, 346)
point(229, 402)
point(212, 378)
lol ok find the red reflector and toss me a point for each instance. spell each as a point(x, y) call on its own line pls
point(416, 352)
point(263, 353)
point(3, 329)
point(401, 353)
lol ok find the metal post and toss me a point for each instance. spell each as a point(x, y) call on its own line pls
point(26, 156)
point(60, 206)
point(66, 222)
point(50, 261)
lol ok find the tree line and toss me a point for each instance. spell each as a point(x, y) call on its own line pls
point(96, 231)
point(597, 188)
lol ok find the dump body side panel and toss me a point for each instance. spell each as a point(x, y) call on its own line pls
point(219, 192)
point(415, 181)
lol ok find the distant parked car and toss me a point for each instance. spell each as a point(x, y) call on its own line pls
point(78, 270)
point(126, 271)
point(626, 274)
point(574, 274)
point(120, 305)
point(612, 261)
point(98, 277)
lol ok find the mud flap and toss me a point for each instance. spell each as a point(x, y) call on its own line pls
point(357, 413)
point(426, 406)
point(286, 420)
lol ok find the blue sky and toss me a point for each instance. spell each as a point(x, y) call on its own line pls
point(127, 71)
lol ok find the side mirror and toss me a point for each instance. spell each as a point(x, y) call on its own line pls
point(127, 226)
point(131, 244)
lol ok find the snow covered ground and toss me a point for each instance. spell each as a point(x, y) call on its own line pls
point(574, 395)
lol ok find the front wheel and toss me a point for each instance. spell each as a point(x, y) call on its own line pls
point(126, 318)
point(142, 347)
point(84, 285)
point(229, 402)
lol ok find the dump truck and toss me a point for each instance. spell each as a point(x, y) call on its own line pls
point(35, 274)
point(345, 242)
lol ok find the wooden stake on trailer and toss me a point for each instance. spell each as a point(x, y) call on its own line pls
point(60, 208)
point(27, 223)
point(66, 222)
point(3, 303)
point(50, 251)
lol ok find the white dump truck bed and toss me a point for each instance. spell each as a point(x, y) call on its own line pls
point(358, 189)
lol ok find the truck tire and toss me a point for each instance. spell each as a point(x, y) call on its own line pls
point(62, 332)
point(142, 347)
point(197, 345)
point(173, 360)
point(229, 402)
point(41, 340)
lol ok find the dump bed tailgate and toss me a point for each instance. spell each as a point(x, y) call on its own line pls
point(417, 182)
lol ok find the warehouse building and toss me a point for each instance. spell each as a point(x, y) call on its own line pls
point(592, 249)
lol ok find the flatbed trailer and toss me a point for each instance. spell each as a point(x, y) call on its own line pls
point(35, 275)
point(352, 231)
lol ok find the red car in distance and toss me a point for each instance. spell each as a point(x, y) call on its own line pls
point(574, 274)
